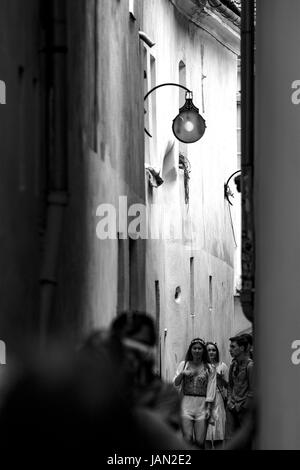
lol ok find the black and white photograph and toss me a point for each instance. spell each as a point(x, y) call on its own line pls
point(150, 230)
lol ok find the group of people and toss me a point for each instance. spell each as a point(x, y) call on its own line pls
point(217, 402)
point(105, 394)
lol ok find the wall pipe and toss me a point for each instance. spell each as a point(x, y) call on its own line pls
point(247, 150)
point(57, 160)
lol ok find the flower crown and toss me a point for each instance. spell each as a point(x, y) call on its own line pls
point(198, 340)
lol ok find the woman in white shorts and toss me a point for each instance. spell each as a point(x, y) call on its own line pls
point(197, 380)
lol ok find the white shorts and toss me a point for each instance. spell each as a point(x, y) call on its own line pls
point(193, 407)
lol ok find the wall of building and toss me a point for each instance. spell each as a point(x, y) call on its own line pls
point(277, 226)
point(21, 174)
point(105, 60)
point(106, 160)
point(212, 160)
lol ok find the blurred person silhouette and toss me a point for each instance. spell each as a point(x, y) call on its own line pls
point(240, 386)
point(62, 403)
point(197, 379)
point(216, 434)
point(136, 331)
point(70, 405)
point(244, 437)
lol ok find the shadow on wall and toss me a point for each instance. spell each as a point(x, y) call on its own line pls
point(2, 92)
point(2, 352)
point(169, 170)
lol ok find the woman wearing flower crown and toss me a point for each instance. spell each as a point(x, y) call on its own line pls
point(197, 379)
point(215, 434)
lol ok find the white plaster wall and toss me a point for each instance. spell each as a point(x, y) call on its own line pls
point(212, 159)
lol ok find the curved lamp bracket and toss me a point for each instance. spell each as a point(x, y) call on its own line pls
point(227, 192)
point(159, 86)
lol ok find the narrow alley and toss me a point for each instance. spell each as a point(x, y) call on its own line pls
point(127, 222)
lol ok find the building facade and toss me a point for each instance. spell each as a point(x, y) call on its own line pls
point(190, 266)
point(71, 140)
point(76, 159)
point(276, 198)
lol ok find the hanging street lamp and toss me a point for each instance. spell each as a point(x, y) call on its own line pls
point(188, 126)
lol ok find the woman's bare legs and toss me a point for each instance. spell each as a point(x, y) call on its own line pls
point(200, 428)
point(188, 429)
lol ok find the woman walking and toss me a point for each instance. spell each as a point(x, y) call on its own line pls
point(197, 379)
point(215, 434)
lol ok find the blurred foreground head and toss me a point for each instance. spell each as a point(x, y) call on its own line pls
point(75, 405)
point(66, 402)
point(138, 326)
point(136, 332)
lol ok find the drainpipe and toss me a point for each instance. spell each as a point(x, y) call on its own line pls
point(247, 147)
point(57, 159)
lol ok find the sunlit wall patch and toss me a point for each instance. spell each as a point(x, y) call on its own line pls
point(2, 92)
point(2, 352)
point(295, 357)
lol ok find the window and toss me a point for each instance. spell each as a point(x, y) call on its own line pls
point(210, 293)
point(93, 76)
point(132, 9)
point(182, 92)
point(150, 106)
point(133, 274)
point(192, 287)
point(123, 274)
point(146, 104)
point(238, 103)
point(203, 76)
point(177, 295)
point(152, 98)
point(157, 317)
